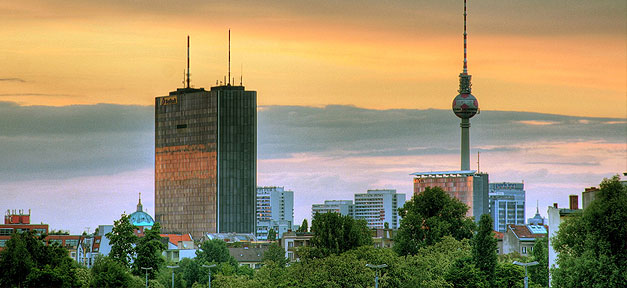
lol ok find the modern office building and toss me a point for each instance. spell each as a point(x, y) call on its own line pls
point(343, 207)
point(469, 187)
point(378, 207)
point(205, 160)
point(275, 210)
point(507, 204)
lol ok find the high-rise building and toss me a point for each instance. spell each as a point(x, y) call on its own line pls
point(378, 207)
point(507, 204)
point(469, 187)
point(343, 207)
point(205, 160)
point(275, 210)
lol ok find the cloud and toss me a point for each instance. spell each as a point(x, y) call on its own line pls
point(12, 80)
point(36, 95)
point(71, 141)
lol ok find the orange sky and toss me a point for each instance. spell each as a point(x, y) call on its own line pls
point(564, 57)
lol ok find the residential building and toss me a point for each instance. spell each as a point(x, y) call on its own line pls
point(468, 186)
point(275, 210)
point(588, 195)
point(205, 160)
point(343, 207)
point(249, 256)
point(180, 246)
point(384, 237)
point(499, 242)
point(507, 204)
point(521, 238)
point(291, 241)
point(379, 207)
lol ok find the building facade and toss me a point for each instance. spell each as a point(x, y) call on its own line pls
point(468, 186)
point(343, 207)
point(507, 204)
point(205, 160)
point(521, 238)
point(275, 210)
point(378, 207)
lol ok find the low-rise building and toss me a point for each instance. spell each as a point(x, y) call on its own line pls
point(291, 241)
point(521, 238)
point(343, 207)
point(249, 256)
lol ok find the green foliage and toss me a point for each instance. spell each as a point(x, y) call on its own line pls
point(26, 261)
point(271, 235)
point(484, 249)
point(275, 254)
point(83, 277)
point(539, 274)
point(509, 275)
point(214, 251)
point(428, 268)
point(121, 239)
point(334, 233)
point(465, 274)
point(428, 217)
point(592, 245)
point(304, 227)
point(191, 271)
point(148, 251)
point(108, 272)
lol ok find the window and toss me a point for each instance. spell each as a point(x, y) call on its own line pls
point(39, 231)
point(524, 250)
point(6, 231)
point(3, 243)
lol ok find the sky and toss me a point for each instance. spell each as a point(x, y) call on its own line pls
point(352, 95)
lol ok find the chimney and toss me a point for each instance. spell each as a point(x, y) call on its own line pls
point(574, 202)
point(555, 205)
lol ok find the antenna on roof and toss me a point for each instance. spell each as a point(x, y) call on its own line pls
point(187, 61)
point(478, 165)
point(229, 57)
point(241, 74)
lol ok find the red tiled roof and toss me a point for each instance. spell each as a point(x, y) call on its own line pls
point(176, 238)
point(521, 231)
point(498, 235)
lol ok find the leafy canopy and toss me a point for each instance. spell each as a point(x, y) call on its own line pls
point(334, 233)
point(428, 217)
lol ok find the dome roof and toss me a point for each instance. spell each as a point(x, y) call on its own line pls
point(465, 105)
point(141, 218)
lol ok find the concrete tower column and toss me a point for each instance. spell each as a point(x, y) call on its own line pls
point(465, 125)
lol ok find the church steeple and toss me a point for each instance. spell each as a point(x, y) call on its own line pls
point(140, 207)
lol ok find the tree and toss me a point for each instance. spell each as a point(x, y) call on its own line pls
point(592, 245)
point(276, 254)
point(428, 217)
point(484, 249)
point(304, 226)
point(27, 261)
point(271, 235)
point(464, 274)
point(148, 251)
point(214, 251)
point(539, 274)
point(122, 238)
point(108, 272)
point(509, 275)
point(334, 233)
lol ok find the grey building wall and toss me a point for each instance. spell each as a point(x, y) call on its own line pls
point(480, 195)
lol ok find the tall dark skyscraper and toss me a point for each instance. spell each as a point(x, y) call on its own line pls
point(205, 160)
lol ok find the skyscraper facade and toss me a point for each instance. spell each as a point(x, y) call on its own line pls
point(275, 210)
point(507, 204)
point(379, 207)
point(205, 160)
point(469, 187)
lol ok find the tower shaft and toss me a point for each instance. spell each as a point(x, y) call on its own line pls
point(465, 145)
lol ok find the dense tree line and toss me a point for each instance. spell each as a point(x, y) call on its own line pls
point(436, 246)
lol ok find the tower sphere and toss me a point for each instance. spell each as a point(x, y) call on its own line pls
point(465, 105)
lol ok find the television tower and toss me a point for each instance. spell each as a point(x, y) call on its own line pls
point(465, 105)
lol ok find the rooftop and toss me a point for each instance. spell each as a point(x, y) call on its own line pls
point(446, 173)
point(529, 231)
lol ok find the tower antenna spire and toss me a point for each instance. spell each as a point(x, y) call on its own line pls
point(465, 42)
point(229, 57)
point(187, 61)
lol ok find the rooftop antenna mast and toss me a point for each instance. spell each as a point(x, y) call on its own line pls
point(465, 42)
point(229, 84)
point(187, 61)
